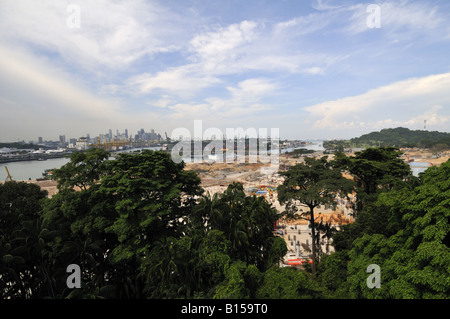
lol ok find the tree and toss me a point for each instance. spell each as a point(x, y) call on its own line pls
point(332, 274)
point(83, 170)
point(151, 196)
point(375, 171)
point(288, 283)
point(23, 272)
point(246, 222)
point(375, 168)
point(415, 261)
point(313, 183)
point(241, 281)
point(115, 218)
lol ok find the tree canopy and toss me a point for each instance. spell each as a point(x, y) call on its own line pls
point(415, 261)
point(141, 226)
point(313, 183)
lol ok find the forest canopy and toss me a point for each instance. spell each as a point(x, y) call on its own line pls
point(398, 137)
point(141, 227)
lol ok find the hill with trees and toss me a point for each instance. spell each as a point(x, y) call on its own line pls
point(397, 137)
point(403, 137)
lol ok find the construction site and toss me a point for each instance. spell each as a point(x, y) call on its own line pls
point(259, 181)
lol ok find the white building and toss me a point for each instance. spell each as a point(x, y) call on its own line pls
point(81, 144)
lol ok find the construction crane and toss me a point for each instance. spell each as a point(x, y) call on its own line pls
point(7, 172)
point(168, 140)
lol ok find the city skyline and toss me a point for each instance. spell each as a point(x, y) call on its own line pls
point(109, 136)
point(313, 69)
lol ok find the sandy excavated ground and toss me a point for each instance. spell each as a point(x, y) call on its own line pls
point(49, 185)
point(223, 174)
point(419, 155)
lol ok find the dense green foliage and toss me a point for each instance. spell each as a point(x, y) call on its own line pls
point(22, 271)
point(140, 226)
point(403, 137)
point(398, 137)
point(415, 261)
point(402, 226)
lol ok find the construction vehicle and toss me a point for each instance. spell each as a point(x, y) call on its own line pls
point(9, 176)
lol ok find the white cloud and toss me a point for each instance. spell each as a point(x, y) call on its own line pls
point(112, 34)
point(406, 102)
point(399, 19)
point(162, 102)
point(252, 88)
point(431, 116)
point(323, 5)
point(40, 97)
point(233, 50)
point(177, 64)
point(245, 99)
point(182, 81)
point(214, 47)
point(304, 25)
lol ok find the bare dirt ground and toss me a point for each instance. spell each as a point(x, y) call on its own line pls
point(423, 155)
point(223, 174)
point(49, 185)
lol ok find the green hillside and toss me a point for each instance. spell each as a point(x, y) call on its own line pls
point(399, 137)
point(402, 137)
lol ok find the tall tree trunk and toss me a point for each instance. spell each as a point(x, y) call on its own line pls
point(313, 239)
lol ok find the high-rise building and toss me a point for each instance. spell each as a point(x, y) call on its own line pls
point(81, 143)
point(39, 139)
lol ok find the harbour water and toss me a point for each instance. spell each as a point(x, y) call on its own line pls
point(25, 170)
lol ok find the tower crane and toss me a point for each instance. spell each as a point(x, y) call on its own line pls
point(7, 172)
point(168, 140)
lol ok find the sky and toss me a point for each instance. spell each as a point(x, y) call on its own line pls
point(314, 69)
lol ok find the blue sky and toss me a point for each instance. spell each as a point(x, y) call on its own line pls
point(314, 69)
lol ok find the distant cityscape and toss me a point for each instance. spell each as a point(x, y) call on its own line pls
point(43, 149)
point(109, 138)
